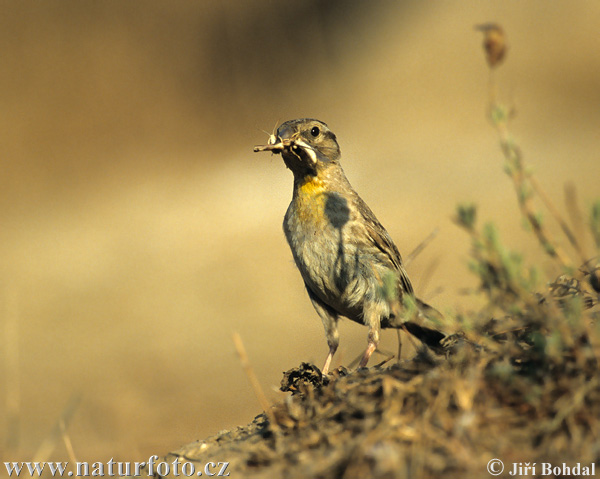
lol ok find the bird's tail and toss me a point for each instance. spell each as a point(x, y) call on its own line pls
point(428, 335)
point(432, 338)
point(429, 311)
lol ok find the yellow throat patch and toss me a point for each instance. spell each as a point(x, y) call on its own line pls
point(310, 199)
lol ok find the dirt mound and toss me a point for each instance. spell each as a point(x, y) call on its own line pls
point(421, 418)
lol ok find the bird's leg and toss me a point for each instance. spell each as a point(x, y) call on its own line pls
point(374, 324)
point(330, 322)
point(333, 339)
point(332, 350)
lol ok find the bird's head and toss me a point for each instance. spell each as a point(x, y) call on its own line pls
point(306, 145)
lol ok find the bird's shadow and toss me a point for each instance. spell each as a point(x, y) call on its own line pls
point(337, 212)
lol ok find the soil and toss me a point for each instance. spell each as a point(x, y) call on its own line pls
point(340, 425)
point(426, 417)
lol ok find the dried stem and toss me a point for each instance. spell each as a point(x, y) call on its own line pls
point(68, 444)
point(258, 391)
point(420, 247)
point(522, 181)
point(49, 444)
point(11, 363)
point(581, 244)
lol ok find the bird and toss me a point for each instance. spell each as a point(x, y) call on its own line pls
point(345, 256)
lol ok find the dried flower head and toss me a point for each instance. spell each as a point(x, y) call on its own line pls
point(494, 43)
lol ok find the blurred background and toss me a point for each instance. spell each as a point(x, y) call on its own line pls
point(139, 231)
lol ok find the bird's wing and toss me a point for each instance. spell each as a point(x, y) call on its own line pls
point(381, 239)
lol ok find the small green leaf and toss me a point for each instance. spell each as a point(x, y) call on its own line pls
point(466, 214)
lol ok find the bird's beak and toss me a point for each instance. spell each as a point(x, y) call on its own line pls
point(279, 145)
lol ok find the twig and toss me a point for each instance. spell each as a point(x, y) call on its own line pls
point(519, 176)
point(420, 247)
point(68, 443)
point(577, 221)
point(258, 391)
point(47, 447)
point(386, 360)
point(13, 385)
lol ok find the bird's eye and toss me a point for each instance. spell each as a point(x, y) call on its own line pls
point(315, 131)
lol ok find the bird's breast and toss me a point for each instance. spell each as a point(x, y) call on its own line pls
point(316, 225)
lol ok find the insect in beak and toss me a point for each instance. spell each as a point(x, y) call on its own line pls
point(275, 144)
